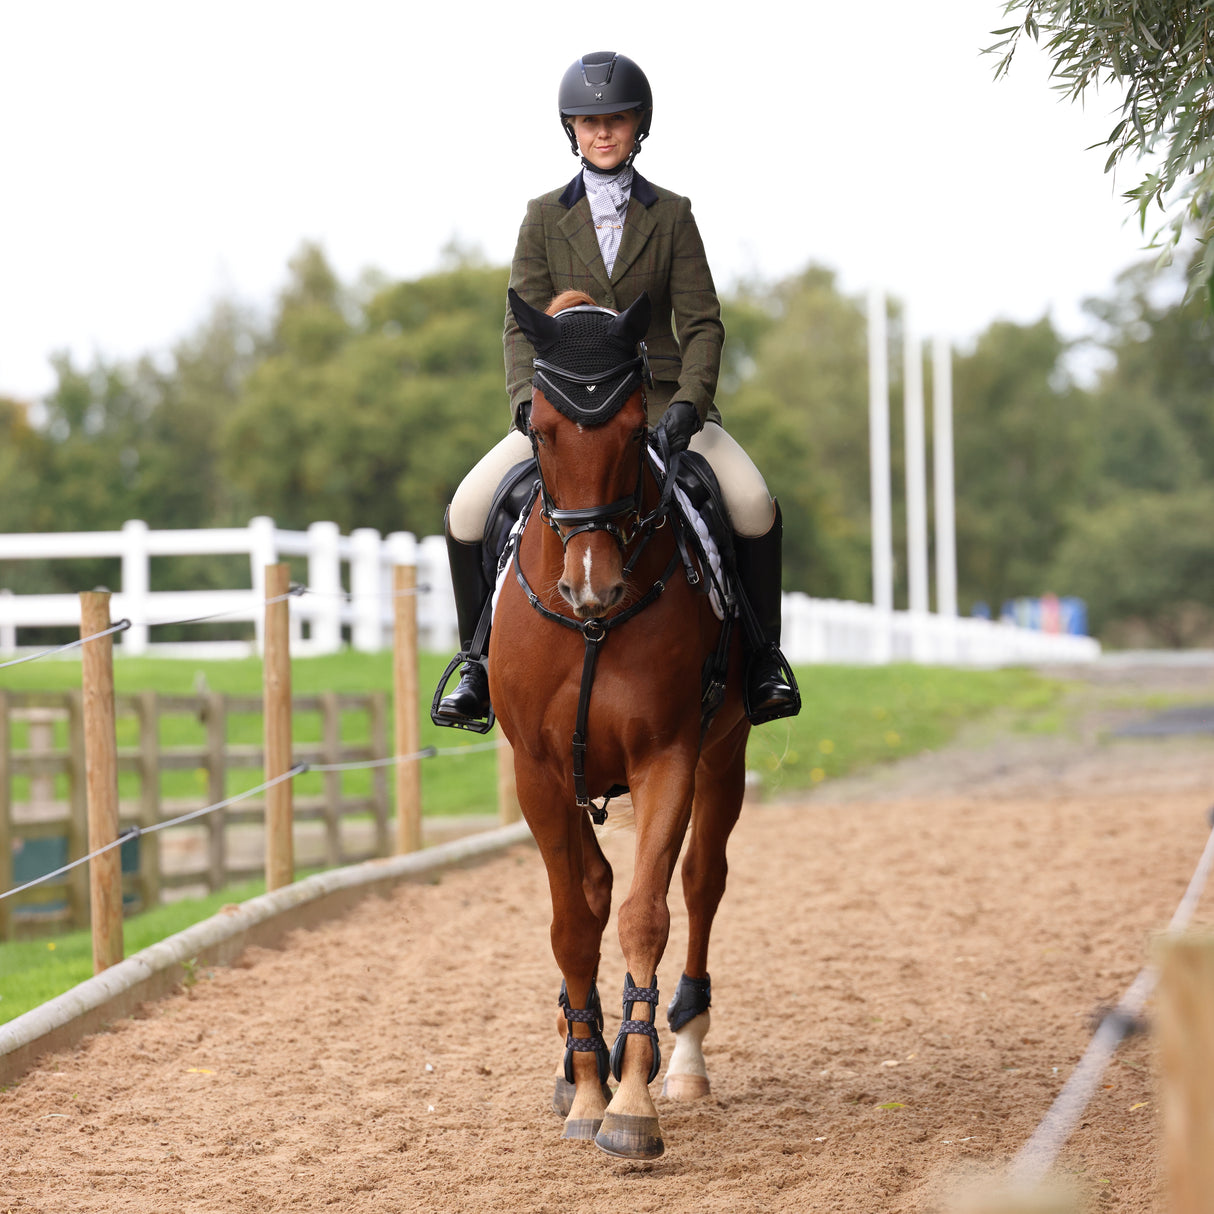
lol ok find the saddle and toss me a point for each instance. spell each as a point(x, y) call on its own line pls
point(515, 492)
point(702, 531)
point(701, 522)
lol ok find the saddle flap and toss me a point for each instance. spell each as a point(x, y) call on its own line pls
point(695, 477)
point(513, 495)
point(703, 530)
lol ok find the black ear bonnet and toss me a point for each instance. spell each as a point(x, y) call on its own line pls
point(588, 360)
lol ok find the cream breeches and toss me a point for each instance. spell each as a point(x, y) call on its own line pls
point(746, 497)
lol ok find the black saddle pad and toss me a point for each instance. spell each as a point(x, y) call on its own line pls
point(514, 494)
point(694, 475)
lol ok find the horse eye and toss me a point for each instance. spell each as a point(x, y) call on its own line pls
point(535, 434)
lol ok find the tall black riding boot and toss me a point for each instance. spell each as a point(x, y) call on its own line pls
point(771, 689)
point(468, 705)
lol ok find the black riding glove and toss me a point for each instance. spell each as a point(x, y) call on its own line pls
point(522, 417)
point(681, 422)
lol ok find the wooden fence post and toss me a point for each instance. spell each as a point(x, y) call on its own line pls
point(78, 805)
point(330, 749)
point(148, 707)
point(507, 793)
point(1186, 1063)
point(215, 712)
point(6, 816)
point(101, 775)
point(377, 714)
point(408, 727)
point(276, 693)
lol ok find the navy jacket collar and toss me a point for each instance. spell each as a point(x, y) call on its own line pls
point(642, 191)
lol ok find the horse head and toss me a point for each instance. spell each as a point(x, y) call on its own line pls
point(588, 430)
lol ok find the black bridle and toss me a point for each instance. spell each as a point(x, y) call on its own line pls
point(594, 631)
point(634, 531)
point(570, 523)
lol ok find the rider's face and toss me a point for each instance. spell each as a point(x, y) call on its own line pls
point(606, 140)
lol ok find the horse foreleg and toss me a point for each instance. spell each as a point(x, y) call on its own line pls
point(579, 884)
point(630, 1125)
point(596, 884)
point(720, 787)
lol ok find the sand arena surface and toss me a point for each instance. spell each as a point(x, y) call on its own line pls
point(904, 973)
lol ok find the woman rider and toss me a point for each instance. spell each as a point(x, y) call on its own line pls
point(612, 234)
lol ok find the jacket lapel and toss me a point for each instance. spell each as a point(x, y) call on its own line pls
point(638, 227)
point(578, 228)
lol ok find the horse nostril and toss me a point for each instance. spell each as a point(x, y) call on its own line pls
point(566, 592)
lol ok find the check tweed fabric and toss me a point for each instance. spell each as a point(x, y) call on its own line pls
point(660, 252)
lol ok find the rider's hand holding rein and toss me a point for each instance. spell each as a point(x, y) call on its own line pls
point(681, 424)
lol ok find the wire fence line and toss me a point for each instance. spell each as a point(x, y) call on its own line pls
point(295, 590)
point(1039, 1154)
point(299, 769)
point(121, 626)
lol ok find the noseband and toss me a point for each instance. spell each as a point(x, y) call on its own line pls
point(595, 518)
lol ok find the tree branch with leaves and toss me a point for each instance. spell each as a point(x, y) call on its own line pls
point(1160, 53)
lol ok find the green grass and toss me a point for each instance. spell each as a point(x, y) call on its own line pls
point(852, 718)
point(856, 717)
point(33, 971)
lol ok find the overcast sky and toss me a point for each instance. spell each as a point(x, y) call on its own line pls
point(156, 156)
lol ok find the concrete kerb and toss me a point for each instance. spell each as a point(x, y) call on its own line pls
point(219, 940)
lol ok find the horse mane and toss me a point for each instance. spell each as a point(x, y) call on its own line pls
point(569, 299)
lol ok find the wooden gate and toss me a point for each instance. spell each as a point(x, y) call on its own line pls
point(177, 754)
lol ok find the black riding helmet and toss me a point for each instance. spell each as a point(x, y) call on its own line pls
point(605, 82)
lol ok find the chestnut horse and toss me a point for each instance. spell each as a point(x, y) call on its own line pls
point(597, 633)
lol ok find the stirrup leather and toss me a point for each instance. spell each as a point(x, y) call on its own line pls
point(474, 653)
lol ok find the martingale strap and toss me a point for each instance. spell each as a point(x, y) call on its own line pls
point(594, 632)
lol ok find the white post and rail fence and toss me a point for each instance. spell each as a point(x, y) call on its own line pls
point(350, 601)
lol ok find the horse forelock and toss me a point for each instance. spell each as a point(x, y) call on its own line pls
point(569, 299)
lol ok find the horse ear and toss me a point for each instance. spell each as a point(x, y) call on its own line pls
point(633, 322)
point(540, 329)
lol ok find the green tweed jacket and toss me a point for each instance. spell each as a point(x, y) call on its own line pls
point(660, 252)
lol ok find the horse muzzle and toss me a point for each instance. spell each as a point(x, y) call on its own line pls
point(592, 581)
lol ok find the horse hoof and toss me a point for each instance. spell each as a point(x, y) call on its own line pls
point(584, 1129)
point(685, 1087)
point(629, 1137)
point(563, 1093)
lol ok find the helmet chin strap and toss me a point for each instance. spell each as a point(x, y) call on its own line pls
point(619, 168)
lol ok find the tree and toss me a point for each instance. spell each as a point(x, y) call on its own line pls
point(1156, 402)
point(369, 415)
point(1022, 460)
point(1147, 558)
point(1158, 53)
point(794, 395)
